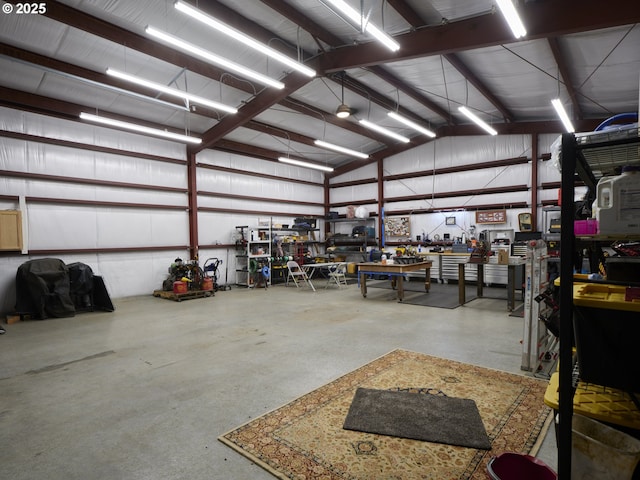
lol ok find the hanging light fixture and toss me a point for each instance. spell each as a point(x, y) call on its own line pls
point(171, 91)
point(562, 113)
point(343, 110)
point(475, 119)
point(139, 128)
point(338, 148)
point(300, 163)
point(241, 37)
point(213, 58)
point(384, 131)
point(411, 124)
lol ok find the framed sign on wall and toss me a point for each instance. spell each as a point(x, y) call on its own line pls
point(491, 216)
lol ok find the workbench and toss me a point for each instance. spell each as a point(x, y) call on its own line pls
point(511, 282)
point(396, 271)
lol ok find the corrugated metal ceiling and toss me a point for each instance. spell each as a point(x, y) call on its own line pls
point(453, 52)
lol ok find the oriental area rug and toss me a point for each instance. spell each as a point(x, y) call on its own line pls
point(305, 439)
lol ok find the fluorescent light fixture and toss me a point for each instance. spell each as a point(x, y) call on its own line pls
point(241, 37)
point(338, 148)
point(139, 128)
point(473, 117)
point(170, 91)
point(562, 113)
point(213, 58)
point(356, 18)
point(384, 131)
point(511, 16)
point(411, 124)
point(300, 163)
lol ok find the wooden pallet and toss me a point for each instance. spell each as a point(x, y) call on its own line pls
point(178, 297)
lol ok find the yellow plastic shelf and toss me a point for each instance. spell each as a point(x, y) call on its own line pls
point(601, 403)
point(603, 296)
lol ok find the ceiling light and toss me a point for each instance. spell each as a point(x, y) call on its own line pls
point(171, 91)
point(411, 124)
point(384, 131)
point(214, 59)
point(511, 16)
point(343, 111)
point(477, 120)
point(300, 163)
point(566, 121)
point(338, 148)
point(241, 37)
point(356, 18)
point(139, 128)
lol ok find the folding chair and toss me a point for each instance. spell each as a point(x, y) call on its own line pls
point(338, 275)
point(296, 272)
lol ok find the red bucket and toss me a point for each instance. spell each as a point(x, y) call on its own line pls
point(518, 466)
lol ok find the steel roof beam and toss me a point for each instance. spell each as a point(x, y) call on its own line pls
point(543, 19)
point(416, 21)
point(466, 72)
point(566, 76)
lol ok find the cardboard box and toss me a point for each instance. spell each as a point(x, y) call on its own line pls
point(503, 257)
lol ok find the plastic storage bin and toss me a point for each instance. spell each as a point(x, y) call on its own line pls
point(518, 466)
point(607, 329)
point(601, 452)
point(623, 269)
point(585, 227)
point(617, 205)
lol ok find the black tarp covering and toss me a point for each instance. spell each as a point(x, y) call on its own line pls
point(49, 288)
point(81, 279)
point(43, 289)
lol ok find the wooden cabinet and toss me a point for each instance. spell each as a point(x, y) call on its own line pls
point(10, 230)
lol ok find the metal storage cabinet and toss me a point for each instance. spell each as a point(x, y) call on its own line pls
point(436, 266)
point(450, 263)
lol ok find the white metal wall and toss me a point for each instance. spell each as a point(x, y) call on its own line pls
point(454, 152)
point(53, 225)
point(220, 228)
point(85, 226)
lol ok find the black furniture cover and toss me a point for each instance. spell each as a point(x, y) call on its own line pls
point(49, 288)
point(43, 289)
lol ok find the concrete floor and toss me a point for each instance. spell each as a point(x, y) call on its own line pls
point(144, 392)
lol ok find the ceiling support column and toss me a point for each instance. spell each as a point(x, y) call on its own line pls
point(534, 182)
point(380, 165)
point(192, 192)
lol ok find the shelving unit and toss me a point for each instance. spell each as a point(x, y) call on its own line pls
point(585, 154)
point(259, 249)
point(296, 241)
point(358, 244)
point(242, 259)
point(255, 255)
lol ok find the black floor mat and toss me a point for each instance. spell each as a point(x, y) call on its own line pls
point(440, 295)
point(419, 416)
